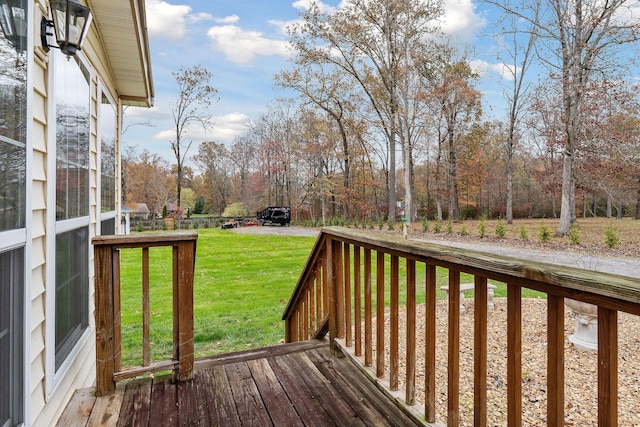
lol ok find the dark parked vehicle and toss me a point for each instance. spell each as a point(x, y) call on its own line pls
point(274, 215)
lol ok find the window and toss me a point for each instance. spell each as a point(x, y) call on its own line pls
point(13, 119)
point(11, 336)
point(108, 124)
point(72, 290)
point(13, 201)
point(72, 205)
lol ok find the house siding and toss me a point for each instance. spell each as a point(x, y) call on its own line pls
point(46, 401)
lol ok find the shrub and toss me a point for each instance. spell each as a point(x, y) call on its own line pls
point(574, 234)
point(544, 233)
point(235, 210)
point(463, 230)
point(196, 225)
point(482, 227)
point(425, 224)
point(391, 225)
point(449, 227)
point(163, 225)
point(501, 230)
point(380, 225)
point(139, 227)
point(523, 233)
point(611, 237)
point(437, 226)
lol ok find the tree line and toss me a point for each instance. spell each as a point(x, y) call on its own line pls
point(388, 120)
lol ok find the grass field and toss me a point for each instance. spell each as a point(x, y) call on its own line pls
point(242, 285)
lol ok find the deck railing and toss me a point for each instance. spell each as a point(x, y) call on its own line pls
point(337, 281)
point(109, 367)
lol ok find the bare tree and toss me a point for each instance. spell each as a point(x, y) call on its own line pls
point(192, 107)
point(519, 48)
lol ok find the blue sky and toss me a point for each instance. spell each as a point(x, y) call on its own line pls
point(243, 44)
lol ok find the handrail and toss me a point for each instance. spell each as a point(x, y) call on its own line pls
point(338, 254)
point(107, 312)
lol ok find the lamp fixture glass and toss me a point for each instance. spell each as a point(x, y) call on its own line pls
point(71, 22)
point(13, 20)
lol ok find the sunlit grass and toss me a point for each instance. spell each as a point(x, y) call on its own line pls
point(242, 285)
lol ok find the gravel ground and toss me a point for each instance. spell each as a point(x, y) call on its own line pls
point(580, 366)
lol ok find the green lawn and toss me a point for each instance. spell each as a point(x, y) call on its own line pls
point(242, 285)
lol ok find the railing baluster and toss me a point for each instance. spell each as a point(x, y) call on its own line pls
point(313, 321)
point(393, 324)
point(318, 284)
point(555, 360)
point(357, 297)
point(410, 396)
point(430, 344)
point(146, 357)
point(305, 316)
point(514, 355)
point(338, 275)
point(379, 314)
point(368, 322)
point(453, 371)
point(347, 295)
point(117, 312)
point(607, 367)
point(480, 353)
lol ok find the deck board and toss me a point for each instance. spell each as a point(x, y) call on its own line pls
point(287, 385)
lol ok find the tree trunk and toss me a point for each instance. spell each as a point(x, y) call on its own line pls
point(567, 214)
point(638, 205)
point(609, 206)
point(510, 188)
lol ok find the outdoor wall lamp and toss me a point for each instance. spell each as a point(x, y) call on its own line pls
point(13, 20)
point(71, 21)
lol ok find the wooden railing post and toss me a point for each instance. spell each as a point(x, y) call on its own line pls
point(186, 253)
point(105, 356)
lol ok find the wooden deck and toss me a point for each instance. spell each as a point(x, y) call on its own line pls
point(297, 384)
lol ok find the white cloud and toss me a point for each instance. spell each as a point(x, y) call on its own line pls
point(231, 19)
point(483, 67)
point(166, 20)
point(242, 46)
point(224, 129)
point(304, 5)
point(460, 19)
point(199, 17)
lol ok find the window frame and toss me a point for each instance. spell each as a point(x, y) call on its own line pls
point(21, 238)
point(104, 216)
point(53, 375)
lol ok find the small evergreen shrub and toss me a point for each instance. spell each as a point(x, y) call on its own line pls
point(380, 225)
point(391, 225)
point(611, 237)
point(139, 227)
point(449, 227)
point(574, 234)
point(482, 227)
point(437, 227)
point(163, 225)
point(501, 230)
point(463, 230)
point(425, 224)
point(523, 233)
point(544, 233)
